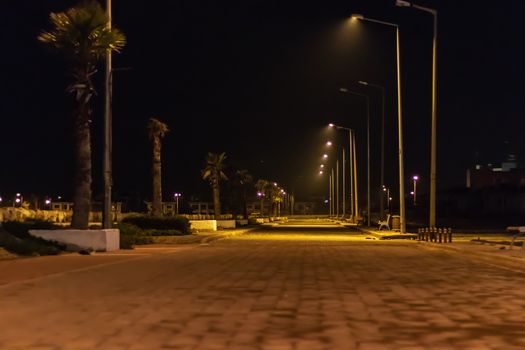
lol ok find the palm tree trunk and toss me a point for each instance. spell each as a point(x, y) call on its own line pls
point(157, 180)
point(244, 205)
point(216, 199)
point(82, 191)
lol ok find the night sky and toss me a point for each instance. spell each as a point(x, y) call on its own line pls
point(259, 80)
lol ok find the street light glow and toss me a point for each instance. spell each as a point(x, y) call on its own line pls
point(331, 125)
point(415, 177)
point(325, 156)
point(321, 172)
point(356, 16)
point(322, 166)
point(329, 143)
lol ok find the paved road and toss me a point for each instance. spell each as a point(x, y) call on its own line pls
point(277, 288)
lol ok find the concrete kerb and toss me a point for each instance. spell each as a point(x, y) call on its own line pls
point(226, 234)
point(387, 234)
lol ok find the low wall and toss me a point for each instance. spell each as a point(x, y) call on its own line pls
point(242, 222)
point(206, 225)
point(226, 223)
point(98, 240)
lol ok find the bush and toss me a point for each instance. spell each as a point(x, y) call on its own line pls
point(19, 241)
point(21, 229)
point(164, 233)
point(147, 222)
point(131, 235)
point(31, 247)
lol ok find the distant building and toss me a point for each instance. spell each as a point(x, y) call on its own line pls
point(508, 174)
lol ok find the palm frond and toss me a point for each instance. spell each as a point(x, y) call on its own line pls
point(156, 128)
point(83, 32)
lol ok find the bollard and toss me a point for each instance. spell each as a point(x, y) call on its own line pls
point(426, 234)
point(440, 235)
point(449, 235)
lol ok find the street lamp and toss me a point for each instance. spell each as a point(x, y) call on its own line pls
point(106, 165)
point(399, 121)
point(415, 178)
point(367, 148)
point(433, 142)
point(354, 208)
point(177, 195)
point(382, 172)
point(387, 191)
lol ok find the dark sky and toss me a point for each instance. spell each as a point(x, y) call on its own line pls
point(259, 80)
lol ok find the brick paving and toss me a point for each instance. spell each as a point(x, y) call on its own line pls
point(277, 288)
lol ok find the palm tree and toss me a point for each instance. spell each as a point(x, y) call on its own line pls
point(245, 180)
point(156, 131)
point(262, 187)
point(83, 34)
point(214, 172)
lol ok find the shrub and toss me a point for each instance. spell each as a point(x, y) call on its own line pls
point(131, 235)
point(164, 233)
point(147, 222)
point(31, 246)
point(21, 229)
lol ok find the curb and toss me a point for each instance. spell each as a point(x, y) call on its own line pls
point(388, 235)
point(218, 236)
point(487, 257)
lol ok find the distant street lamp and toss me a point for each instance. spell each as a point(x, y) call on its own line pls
point(177, 195)
point(367, 149)
point(387, 191)
point(415, 178)
point(399, 121)
point(354, 207)
point(382, 172)
point(433, 149)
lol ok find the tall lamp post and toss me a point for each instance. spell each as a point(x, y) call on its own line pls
point(399, 121)
point(367, 149)
point(354, 207)
point(107, 218)
point(433, 142)
point(382, 171)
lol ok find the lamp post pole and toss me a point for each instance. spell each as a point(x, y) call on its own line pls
point(337, 188)
point(415, 178)
point(382, 172)
point(177, 195)
point(344, 189)
point(107, 219)
point(402, 213)
point(433, 142)
point(352, 171)
point(330, 195)
point(368, 199)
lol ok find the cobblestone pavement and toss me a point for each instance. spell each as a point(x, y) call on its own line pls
point(277, 288)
